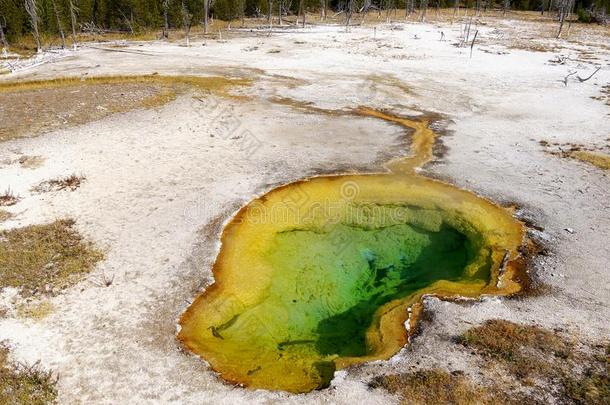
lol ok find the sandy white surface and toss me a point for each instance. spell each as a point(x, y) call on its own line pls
point(156, 180)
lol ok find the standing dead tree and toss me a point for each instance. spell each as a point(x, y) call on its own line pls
point(73, 12)
point(206, 15)
point(302, 11)
point(165, 5)
point(269, 13)
point(348, 14)
point(322, 9)
point(186, 23)
point(564, 7)
point(409, 8)
point(2, 37)
point(423, 5)
point(32, 9)
point(505, 7)
point(60, 27)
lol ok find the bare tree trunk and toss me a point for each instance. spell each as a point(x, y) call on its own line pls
point(32, 9)
point(186, 23)
point(206, 15)
point(243, 13)
point(269, 12)
point(564, 7)
point(3, 38)
point(423, 4)
point(59, 25)
point(542, 7)
point(456, 7)
point(322, 9)
point(280, 11)
point(73, 11)
point(505, 7)
point(302, 10)
point(165, 19)
point(350, 10)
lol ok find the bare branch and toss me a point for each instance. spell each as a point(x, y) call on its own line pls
point(580, 79)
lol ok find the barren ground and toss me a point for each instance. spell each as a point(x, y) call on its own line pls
point(161, 181)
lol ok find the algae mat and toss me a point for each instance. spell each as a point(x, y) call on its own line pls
point(323, 273)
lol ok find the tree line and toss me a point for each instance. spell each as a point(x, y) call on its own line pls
point(70, 17)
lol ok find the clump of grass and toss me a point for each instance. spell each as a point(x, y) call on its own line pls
point(8, 198)
point(436, 386)
point(544, 360)
point(42, 259)
point(70, 183)
point(20, 384)
point(4, 215)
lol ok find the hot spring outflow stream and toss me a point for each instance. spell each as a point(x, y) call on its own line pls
point(319, 274)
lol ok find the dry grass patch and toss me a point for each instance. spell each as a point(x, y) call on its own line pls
point(597, 155)
point(8, 198)
point(544, 360)
point(29, 108)
point(70, 183)
point(20, 384)
point(35, 310)
point(523, 349)
point(597, 159)
point(436, 386)
point(30, 162)
point(43, 259)
point(5, 215)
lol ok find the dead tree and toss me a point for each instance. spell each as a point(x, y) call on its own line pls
point(60, 28)
point(301, 12)
point(456, 7)
point(505, 7)
point(564, 7)
point(2, 37)
point(322, 9)
point(206, 15)
point(423, 5)
point(73, 12)
point(409, 8)
point(165, 18)
point(32, 9)
point(186, 23)
point(348, 14)
point(269, 12)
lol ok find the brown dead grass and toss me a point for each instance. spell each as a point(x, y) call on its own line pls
point(521, 364)
point(69, 183)
point(547, 361)
point(29, 108)
point(43, 259)
point(4, 215)
point(436, 386)
point(30, 162)
point(21, 384)
point(524, 349)
point(597, 159)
